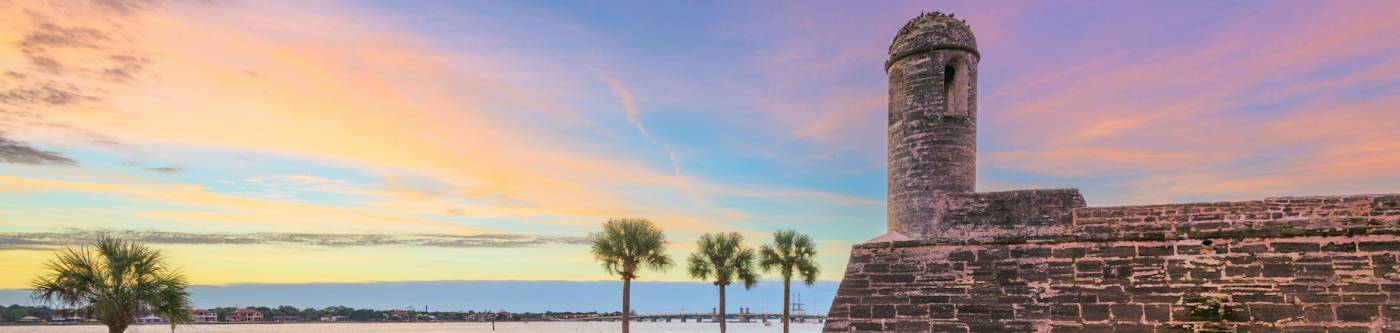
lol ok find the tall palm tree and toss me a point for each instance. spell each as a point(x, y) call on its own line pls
point(791, 253)
point(624, 246)
point(723, 259)
point(119, 279)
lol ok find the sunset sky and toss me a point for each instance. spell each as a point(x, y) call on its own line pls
point(358, 141)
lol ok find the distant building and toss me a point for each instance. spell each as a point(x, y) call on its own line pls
point(30, 320)
point(287, 318)
point(149, 319)
point(65, 320)
point(204, 316)
point(335, 318)
point(483, 316)
point(246, 315)
point(401, 315)
point(477, 317)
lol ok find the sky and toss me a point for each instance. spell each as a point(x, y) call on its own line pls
point(345, 142)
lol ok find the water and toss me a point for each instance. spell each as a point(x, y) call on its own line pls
point(535, 327)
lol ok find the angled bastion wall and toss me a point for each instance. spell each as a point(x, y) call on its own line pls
point(1038, 261)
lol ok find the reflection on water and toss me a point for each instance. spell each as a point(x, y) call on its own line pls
point(539, 327)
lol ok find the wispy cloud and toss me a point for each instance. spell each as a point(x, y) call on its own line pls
point(63, 65)
point(70, 61)
point(634, 117)
point(166, 169)
point(72, 237)
point(18, 152)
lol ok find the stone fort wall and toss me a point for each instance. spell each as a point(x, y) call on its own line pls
point(1039, 261)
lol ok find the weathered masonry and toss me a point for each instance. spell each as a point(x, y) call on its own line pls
point(1041, 261)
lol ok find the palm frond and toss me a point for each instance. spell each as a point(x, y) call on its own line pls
point(626, 244)
point(118, 279)
point(723, 259)
point(791, 253)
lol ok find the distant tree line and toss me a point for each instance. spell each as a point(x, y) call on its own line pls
point(354, 314)
point(13, 313)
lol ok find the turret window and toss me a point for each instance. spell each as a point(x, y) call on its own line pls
point(898, 99)
point(955, 88)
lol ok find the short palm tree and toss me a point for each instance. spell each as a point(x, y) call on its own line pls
point(175, 308)
point(626, 245)
point(119, 279)
point(723, 259)
point(791, 254)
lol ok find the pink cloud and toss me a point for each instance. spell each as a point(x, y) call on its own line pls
point(1205, 120)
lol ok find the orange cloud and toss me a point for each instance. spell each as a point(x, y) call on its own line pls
point(200, 206)
point(357, 91)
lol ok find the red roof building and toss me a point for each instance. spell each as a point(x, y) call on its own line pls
point(246, 315)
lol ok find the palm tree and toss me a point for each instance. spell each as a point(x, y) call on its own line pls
point(623, 247)
point(118, 279)
point(723, 258)
point(790, 253)
point(175, 306)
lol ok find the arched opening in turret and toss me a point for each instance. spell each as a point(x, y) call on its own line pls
point(897, 96)
point(955, 88)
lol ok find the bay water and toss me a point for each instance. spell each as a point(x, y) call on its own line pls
point(511, 327)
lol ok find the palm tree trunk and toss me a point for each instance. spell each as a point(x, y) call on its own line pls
point(787, 302)
point(116, 328)
point(626, 303)
point(721, 310)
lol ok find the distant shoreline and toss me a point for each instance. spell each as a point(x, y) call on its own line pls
point(291, 322)
point(349, 322)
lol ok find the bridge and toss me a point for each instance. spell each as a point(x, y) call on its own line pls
point(747, 317)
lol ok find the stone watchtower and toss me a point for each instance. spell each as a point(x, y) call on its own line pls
point(933, 121)
point(1040, 260)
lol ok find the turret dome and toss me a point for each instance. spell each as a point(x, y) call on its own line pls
point(932, 31)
